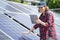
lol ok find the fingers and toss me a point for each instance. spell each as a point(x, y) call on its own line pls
point(25, 33)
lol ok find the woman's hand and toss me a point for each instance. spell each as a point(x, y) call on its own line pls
point(26, 32)
point(41, 22)
point(29, 31)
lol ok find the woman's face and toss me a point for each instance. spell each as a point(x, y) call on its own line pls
point(41, 9)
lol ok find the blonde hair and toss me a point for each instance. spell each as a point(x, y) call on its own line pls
point(46, 8)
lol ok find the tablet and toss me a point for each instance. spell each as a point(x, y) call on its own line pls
point(33, 17)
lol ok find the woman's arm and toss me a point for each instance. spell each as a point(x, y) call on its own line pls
point(49, 20)
point(33, 28)
point(38, 21)
point(29, 31)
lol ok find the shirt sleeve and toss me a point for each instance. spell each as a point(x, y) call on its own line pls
point(36, 26)
point(50, 20)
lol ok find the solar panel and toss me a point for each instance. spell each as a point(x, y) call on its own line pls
point(1, 4)
point(57, 22)
point(14, 29)
point(26, 20)
point(22, 8)
point(58, 37)
point(3, 36)
point(8, 7)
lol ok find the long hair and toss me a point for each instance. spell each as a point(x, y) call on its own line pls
point(46, 8)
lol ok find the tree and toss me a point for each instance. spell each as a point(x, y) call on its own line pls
point(22, 1)
point(53, 3)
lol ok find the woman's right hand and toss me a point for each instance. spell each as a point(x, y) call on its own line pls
point(26, 32)
point(29, 31)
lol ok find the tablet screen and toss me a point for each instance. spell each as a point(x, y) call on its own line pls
point(33, 18)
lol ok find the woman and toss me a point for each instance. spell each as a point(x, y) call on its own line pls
point(45, 23)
